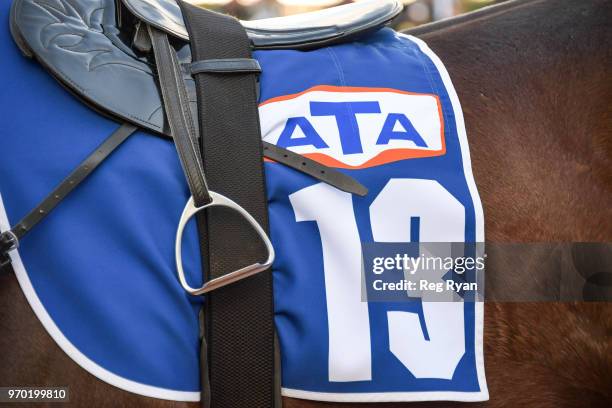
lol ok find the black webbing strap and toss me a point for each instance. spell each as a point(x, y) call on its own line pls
point(9, 240)
point(239, 318)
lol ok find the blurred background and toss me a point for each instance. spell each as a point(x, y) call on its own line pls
point(416, 12)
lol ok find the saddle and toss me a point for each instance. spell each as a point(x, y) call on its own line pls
point(186, 73)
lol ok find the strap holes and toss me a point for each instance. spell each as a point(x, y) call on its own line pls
point(303, 163)
point(285, 156)
point(322, 171)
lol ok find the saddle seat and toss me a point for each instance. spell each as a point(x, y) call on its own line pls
point(297, 31)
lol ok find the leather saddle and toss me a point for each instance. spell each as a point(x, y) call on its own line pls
point(95, 47)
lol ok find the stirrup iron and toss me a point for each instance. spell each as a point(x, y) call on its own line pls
point(219, 200)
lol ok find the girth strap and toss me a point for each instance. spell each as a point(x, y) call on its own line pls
point(239, 327)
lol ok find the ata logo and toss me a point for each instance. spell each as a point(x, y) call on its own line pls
point(352, 128)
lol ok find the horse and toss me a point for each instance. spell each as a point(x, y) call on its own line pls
point(533, 80)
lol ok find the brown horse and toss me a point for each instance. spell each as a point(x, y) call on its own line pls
point(533, 78)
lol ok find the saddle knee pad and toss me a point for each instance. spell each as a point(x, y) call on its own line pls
point(99, 271)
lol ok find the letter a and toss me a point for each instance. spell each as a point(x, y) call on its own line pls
point(389, 133)
point(311, 137)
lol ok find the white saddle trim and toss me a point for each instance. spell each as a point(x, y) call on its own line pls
point(386, 396)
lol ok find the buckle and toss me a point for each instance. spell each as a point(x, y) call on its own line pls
point(220, 201)
point(8, 243)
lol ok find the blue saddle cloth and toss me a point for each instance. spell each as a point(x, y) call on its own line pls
point(99, 271)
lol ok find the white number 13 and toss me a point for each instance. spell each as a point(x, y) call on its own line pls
point(442, 219)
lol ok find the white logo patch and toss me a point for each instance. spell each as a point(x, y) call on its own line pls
point(351, 127)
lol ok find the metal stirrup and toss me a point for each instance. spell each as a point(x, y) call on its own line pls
point(239, 274)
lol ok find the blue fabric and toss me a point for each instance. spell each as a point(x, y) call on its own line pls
point(103, 264)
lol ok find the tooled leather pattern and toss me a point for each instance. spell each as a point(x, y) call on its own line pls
point(79, 42)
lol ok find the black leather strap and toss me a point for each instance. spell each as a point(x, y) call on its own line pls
point(176, 106)
point(225, 66)
point(314, 169)
point(239, 328)
point(10, 239)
